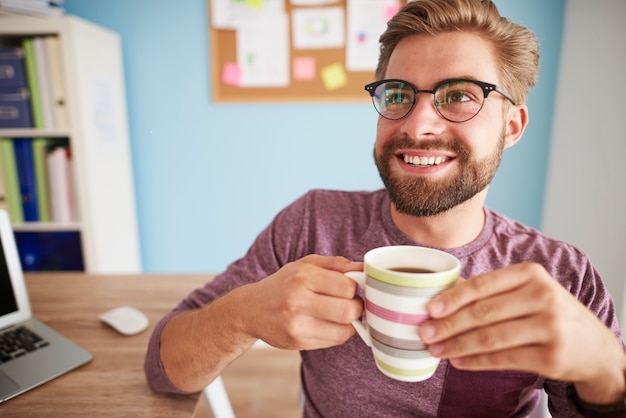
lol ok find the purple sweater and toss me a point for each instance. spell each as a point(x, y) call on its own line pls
point(343, 381)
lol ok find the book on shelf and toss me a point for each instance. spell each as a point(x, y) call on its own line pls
point(11, 181)
point(15, 109)
point(40, 152)
point(23, 149)
point(44, 76)
point(37, 180)
point(61, 186)
point(12, 72)
point(57, 81)
point(43, 79)
point(3, 190)
point(32, 78)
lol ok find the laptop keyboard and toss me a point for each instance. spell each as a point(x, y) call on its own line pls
point(18, 342)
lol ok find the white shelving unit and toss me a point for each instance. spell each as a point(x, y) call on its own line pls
point(98, 137)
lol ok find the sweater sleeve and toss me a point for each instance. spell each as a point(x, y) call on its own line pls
point(590, 291)
point(153, 368)
point(275, 246)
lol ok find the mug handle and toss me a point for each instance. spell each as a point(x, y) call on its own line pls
point(359, 278)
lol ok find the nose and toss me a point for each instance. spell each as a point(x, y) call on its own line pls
point(424, 120)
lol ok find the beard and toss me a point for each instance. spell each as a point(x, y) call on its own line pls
point(422, 196)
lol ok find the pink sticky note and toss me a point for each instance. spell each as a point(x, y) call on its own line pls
point(391, 11)
point(231, 74)
point(304, 68)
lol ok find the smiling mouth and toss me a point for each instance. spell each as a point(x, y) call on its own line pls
point(424, 161)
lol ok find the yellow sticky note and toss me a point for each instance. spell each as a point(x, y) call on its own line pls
point(334, 76)
point(257, 4)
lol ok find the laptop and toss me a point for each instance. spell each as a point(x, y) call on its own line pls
point(31, 353)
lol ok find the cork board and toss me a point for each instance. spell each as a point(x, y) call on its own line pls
point(295, 50)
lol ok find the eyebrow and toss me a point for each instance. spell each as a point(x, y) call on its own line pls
point(437, 83)
point(461, 77)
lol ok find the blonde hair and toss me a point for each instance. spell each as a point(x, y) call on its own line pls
point(516, 48)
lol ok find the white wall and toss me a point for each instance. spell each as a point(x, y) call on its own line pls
point(585, 201)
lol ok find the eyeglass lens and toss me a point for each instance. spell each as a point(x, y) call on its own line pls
point(457, 101)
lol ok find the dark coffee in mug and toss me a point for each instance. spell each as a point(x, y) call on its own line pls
point(412, 270)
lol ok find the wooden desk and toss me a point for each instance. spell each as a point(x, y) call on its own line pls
point(261, 383)
point(113, 383)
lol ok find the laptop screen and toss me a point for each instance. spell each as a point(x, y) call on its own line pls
point(14, 303)
point(8, 303)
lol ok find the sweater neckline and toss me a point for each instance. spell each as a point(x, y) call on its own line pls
point(400, 238)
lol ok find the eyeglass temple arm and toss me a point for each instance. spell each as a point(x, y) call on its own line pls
point(505, 94)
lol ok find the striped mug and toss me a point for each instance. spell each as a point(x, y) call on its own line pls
point(397, 282)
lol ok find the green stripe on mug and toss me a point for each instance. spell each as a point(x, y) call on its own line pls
point(403, 372)
point(425, 292)
point(443, 278)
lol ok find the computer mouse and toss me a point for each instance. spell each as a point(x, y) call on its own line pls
point(126, 320)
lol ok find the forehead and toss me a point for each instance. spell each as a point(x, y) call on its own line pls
point(424, 59)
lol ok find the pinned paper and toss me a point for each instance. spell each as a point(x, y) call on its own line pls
point(318, 27)
point(231, 74)
point(334, 76)
point(304, 68)
point(366, 20)
point(233, 14)
point(312, 2)
point(263, 52)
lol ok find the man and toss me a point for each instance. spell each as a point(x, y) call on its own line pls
point(453, 78)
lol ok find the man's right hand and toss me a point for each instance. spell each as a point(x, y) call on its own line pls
point(308, 304)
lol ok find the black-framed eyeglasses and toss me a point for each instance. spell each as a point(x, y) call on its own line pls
point(456, 100)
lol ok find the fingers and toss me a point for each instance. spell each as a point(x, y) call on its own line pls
point(525, 301)
point(334, 334)
point(322, 294)
point(518, 318)
point(500, 337)
point(313, 321)
point(525, 358)
point(308, 304)
point(325, 275)
point(486, 317)
point(337, 310)
point(483, 286)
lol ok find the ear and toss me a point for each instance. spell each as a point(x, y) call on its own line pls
point(516, 122)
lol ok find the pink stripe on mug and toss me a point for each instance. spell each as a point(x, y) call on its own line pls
point(398, 317)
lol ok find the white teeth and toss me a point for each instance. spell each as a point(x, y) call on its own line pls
point(415, 160)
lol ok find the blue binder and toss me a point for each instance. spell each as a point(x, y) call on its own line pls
point(26, 174)
point(15, 108)
point(50, 250)
point(12, 72)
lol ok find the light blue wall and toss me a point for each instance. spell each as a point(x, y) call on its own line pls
point(209, 177)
